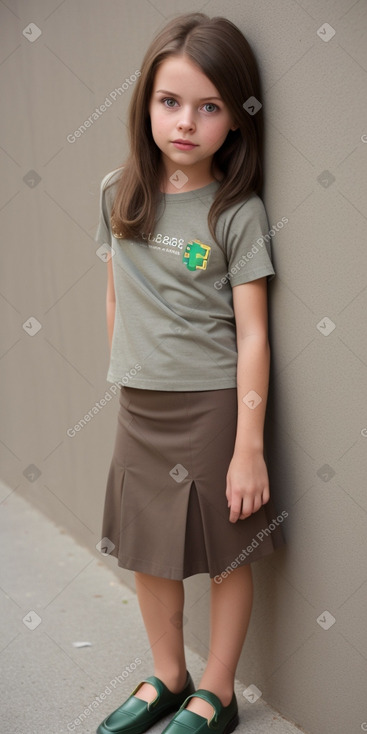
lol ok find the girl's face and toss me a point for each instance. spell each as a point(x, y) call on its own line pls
point(189, 120)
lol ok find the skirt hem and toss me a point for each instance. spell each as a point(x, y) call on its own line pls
point(140, 566)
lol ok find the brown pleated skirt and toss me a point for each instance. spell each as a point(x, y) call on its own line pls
point(165, 509)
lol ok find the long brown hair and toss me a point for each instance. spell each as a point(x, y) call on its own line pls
point(221, 51)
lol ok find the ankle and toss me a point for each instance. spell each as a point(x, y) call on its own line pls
point(175, 680)
point(225, 697)
point(222, 689)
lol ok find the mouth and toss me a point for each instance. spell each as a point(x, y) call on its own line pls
point(184, 144)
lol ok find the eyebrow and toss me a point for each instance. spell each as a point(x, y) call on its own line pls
point(173, 94)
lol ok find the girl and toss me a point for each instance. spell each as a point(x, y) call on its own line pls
point(187, 490)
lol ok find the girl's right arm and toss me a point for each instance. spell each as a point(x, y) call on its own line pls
point(110, 302)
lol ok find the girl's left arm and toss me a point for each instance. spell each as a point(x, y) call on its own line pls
point(247, 477)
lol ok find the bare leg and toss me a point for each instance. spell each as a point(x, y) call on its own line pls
point(231, 605)
point(161, 604)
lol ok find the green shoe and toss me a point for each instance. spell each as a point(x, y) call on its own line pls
point(223, 721)
point(135, 716)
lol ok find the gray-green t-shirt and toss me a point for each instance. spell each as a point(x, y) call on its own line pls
point(174, 323)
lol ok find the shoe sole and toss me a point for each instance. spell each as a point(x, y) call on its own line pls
point(231, 725)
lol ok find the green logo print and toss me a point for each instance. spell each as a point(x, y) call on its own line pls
point(196, 255)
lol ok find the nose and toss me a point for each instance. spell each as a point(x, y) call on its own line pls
point(186, 122)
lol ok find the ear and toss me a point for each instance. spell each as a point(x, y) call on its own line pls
point(234, 127)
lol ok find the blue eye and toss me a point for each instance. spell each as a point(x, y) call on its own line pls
point(212, 105)
point(168, 99)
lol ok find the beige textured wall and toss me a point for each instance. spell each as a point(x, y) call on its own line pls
point(315, 96)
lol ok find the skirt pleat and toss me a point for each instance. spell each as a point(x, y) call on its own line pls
point(165, 509)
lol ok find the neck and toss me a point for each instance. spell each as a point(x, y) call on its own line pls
point(178, 179)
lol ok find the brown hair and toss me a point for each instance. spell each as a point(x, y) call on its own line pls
point(221, 51)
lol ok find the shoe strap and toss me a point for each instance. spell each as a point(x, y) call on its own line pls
point(157, 684)
point(209, 697)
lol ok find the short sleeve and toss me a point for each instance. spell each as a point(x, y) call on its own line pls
point(248, 243)
point(103, 233)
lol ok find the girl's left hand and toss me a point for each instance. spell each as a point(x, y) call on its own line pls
point(247, 485)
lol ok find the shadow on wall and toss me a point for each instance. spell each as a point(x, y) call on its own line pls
point(263, 648)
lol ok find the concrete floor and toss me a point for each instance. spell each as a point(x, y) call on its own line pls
point(55, 593)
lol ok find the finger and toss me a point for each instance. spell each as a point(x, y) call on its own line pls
point(235, 510)
point(247, 506)
point(257, 503)
point(265, 495)
point(251, 508)
point(244, 515)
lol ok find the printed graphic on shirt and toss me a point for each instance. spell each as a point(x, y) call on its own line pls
point(196, 255)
